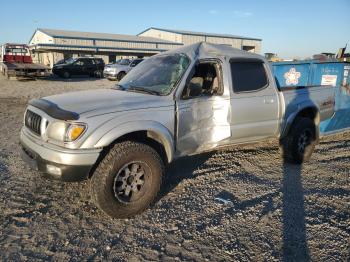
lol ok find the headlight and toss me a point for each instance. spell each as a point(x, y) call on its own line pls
point(65, 132)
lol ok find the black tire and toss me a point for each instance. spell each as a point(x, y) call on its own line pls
point(121, 75)
point(65, 74)
point(298, 145)
point(111, 176)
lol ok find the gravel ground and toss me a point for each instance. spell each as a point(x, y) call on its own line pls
point(236, 204)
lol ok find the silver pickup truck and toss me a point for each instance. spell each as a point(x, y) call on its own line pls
point(118, 70)
point(186, 101)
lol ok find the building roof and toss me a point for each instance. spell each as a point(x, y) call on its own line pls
point(184, 32)
point(102, 36)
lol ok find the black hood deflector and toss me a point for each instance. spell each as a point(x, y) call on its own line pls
point(53, 110)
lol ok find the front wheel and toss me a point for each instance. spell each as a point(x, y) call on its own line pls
point(127, 180)
point(298, 146)
point(66, 74)
point(121, 75)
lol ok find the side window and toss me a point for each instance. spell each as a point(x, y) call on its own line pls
point(79, 63)
point(88, 62)
point(248, 76)
point(205, 81)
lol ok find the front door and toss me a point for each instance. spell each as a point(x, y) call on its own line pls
point(78, 67)
point(203, 111)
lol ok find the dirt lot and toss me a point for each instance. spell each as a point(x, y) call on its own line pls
point(273, 211)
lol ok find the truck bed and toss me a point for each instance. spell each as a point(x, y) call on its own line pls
point(321, 97)
point(20, 70)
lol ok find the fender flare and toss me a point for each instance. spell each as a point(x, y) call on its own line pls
point(287, 124)
point(154, 131)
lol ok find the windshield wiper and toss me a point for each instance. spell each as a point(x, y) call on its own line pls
point(143, 90)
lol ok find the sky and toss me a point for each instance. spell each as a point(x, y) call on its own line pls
point(292, 29)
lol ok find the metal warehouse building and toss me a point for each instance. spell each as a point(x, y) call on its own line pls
point(190, 37)
point(50, 45)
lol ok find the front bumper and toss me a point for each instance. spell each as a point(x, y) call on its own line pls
point(57, 163)
point(110, 75)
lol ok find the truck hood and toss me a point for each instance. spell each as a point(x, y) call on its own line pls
point(101, 101)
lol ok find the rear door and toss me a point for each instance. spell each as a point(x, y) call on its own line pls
point(89, 67)
point(254, 101)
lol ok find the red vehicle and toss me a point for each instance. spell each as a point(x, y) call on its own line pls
point(16, 61)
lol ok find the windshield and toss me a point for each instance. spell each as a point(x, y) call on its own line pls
point(70, 60)
point(16, 50)
point(123, 62)
point(158, 74)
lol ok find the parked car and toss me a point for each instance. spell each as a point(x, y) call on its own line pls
point(185, 101)
point(90, 66)
point(118, 70)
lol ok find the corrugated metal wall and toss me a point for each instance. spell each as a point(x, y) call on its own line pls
point(68, 41)
point(191, 39)
point(187, 39)
point(236, 43)
point(169, 36)
point(112, 44)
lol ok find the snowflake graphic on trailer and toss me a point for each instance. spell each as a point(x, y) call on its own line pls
point(292, 77)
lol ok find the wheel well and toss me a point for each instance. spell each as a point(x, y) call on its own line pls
point(312, 114)
point(309, 113)
point(138, 136)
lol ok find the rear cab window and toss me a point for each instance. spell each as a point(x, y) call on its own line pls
point(248, 76)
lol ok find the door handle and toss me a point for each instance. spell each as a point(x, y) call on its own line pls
point(269, 101)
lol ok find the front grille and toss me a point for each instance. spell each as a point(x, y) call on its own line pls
point(33, 121)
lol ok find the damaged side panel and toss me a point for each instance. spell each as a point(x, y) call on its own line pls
point(203, 124)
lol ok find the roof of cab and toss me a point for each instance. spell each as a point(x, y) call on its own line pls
point(204, 49)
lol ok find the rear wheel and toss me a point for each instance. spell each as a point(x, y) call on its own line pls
point(121, 76)
point(127, 180)
point(298, 146)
